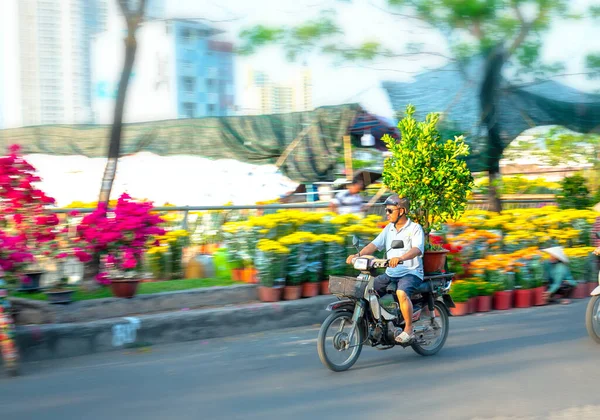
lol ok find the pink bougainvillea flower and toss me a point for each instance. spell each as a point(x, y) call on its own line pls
point(83, 256)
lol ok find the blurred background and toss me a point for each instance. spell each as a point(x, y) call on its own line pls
point(273, 88)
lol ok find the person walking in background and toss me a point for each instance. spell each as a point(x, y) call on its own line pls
point(349, 200)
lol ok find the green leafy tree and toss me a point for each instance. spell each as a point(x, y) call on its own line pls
point(430, 172)
point(511, 31)
point(574, 194)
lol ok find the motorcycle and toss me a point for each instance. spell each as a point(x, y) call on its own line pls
point(362, 317)
point(592, 313)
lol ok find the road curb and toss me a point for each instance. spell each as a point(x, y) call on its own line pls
point(52, 341)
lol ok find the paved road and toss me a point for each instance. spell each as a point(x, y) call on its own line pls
point(531, 363)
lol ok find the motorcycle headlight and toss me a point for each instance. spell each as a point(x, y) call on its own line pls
point(361, 263)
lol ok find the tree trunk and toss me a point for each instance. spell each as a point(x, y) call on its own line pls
point(489, 106)
point(114, 148)
point(90, 271)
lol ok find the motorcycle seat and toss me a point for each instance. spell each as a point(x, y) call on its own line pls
point(424, 287)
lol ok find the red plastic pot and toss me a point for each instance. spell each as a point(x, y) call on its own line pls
point(310, 289)
point(503, 300)
point(434, 261)
point(269, 294)
point(472, 305)
point(580, 291)
point(124, 288)
point(460, 309)
point(292, 292)
point(522, 298)
point(484, 303)
point(537, 296)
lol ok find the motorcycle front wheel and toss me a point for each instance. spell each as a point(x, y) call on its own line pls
point(592, 318)
point(339, 344)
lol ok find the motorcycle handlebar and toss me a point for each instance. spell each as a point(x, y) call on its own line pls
point(376, 262)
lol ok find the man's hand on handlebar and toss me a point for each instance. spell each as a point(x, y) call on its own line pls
point(350, 259)
point(393, 262)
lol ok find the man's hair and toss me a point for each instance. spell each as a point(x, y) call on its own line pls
point(358, 181)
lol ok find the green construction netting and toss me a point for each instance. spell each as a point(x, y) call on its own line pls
point(258, 139)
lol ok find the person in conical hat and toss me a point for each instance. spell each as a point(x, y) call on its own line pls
point(556, 272)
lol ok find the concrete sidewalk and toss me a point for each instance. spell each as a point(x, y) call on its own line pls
point(40, 342)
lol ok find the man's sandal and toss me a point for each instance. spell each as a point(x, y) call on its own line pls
point(404, 338)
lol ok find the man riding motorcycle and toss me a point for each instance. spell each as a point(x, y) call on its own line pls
point(405, 271)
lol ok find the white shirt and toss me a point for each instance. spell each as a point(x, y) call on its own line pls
point(348, 203)
point(413, 237)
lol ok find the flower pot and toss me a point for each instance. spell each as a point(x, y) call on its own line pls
point(292, 292)
point(460, 309)
point(537, 296)
point(253, 276)
point(269, 294)
point(60, 296)
point(325, 287)
point(580, 291)
point(522, 298)
point(249, 275)
point(484, 303)
point(503, 300)
point(433, 261)
point(236, 274)
point(310, 289)
point(124, 288)
point(472, 305)
point(32, 283)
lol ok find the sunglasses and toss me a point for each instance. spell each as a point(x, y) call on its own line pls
point(390, 211)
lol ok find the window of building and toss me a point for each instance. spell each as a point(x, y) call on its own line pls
point(189, 84)
point(186, 34)
point(189, 110)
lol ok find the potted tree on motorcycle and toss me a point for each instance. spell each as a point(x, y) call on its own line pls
point(404, 306)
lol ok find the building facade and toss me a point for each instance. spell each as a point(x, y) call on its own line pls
point(46, 60)
point(263, 95)
point(180, 71)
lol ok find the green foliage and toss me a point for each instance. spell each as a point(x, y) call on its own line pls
point(518, 185)
point(558, 147)
point(460, 291)
point(297, 40)
point(592, 62)
point(574, 195)
point(259, 36)
point(485, 288)
point(428, 171)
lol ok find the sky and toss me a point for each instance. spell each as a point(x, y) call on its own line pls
point(363, 20)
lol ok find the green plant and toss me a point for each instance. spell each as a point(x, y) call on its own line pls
point(460, 291)
point(428, 171)
point(574, 194)
point(485, 288)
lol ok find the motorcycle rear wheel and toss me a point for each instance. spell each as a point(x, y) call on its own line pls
point(592, 318)
point(442, 319)
point(339, 342)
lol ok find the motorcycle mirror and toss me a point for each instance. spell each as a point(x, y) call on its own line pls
point(397, 244)
point(354, 240)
